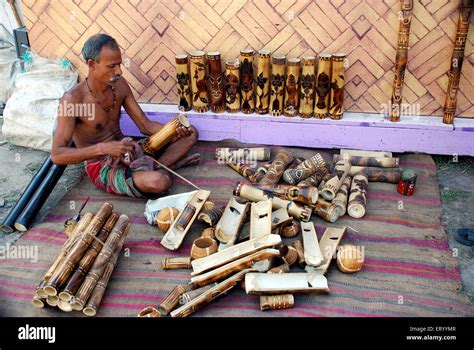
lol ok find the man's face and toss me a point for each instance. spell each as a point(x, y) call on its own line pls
point(107, 70)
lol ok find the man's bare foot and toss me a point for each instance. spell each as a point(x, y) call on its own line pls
point(191, 160)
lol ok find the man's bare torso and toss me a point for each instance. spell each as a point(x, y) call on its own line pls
point(102, 126)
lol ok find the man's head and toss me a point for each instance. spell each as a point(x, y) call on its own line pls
point(102, 54)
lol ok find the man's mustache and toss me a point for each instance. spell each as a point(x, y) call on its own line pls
point(115, 78)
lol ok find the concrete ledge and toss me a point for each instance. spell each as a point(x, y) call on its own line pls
point(356, 131)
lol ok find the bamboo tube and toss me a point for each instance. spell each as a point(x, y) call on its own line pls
point(187, 296)
point(358, 196)
point(52, 300)
point(275, 302)
point(292, 87)
point(336, 99)
point(326, 211)
point(238, 154)
point(197, 65)
point(37, 301)
point(79, 274)
point(323, 86)
point(282, 160)
point(39, 292)
point(210, 214)
point(62, 273)
point(216, 81)
point(406, 7)
point(291, 230)
point(171, 301)
point(232, 87)
point(256, 195)
point(308, 78)
point(99, 289)
point(246, 171)
point(369, 161)
point(315, 164)
point(64, 305)
point(209, 232)
point(183, 79)
point(300, 250)
point(263, 82)
point(332, 184)
point(306, 195)
point(340, 201)
point(391, 175)
point(247, 103)
point(277, 88)
point(457, 59)
point(159, 139)
point(176, 263)
point(313, 180)
point(149, 311)
point(115, 239)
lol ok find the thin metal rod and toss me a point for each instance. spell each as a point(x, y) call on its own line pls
point(175, 173)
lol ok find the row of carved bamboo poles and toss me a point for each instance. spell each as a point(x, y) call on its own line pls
point(79, 276)
point(454, 74)
point(310, 86)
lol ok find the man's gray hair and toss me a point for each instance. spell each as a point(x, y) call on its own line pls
point(95, 43)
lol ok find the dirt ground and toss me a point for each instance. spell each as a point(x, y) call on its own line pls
point(456, 176)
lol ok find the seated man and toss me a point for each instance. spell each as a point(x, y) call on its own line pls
point(115, 164)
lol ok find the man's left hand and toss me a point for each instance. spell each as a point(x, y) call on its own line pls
point(183, 131)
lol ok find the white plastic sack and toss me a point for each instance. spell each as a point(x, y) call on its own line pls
point(31, 111)
point(154, 206)
point(9, 64)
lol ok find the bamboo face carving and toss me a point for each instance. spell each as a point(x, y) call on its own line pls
point(216, 81)
point(323, 86)
point(246, 81)
point(232, 87)
point(292, 87)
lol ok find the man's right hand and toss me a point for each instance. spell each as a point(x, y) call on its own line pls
point(116, 148)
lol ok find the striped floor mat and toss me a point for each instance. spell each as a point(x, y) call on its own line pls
point(409, 270)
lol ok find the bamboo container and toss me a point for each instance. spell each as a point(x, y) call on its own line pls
point(358, 197)
point(391, 175)
point(232, 87)
point(291, 230)
point(171, 301)
point(37, 301)
point(340, 201)
point(239, 154)
point(62, 273)
point(282, 160)
point(184, 85)
point(262, 85)
point(176, 263)
point(246, 171)
point(247, 103)
point(323, 86)
point(210, 214)
point(209, 232)
point(326, 211)
point(336, 99)
point(332, 185)
point(256, 195)
point(114, 240)
point(216, 81)
point(300, 250)
point(74, 282)
point(457, 59)
point(98, 292)
point(277, 88)
point(315, 164)
point(401, 59)
point(306, 195)
point(149, 311)
point(203, 246)
point(289, 254)
point(159, 139)
point(52, 300)
point(292, 87)
point(197, 65)
point(369, 161)
point(307, 80)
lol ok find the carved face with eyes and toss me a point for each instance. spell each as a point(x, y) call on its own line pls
point(216, 84)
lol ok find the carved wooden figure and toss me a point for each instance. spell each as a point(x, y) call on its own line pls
point(200, 98)
point(323, 86)
point(216, 82)
point(247, 103)
point(292, 91)
point(277, 88)
point(401, 59)
point(262, 82)
point(184, 82)
point(307, 82)
point(232, 87)
point(336, 99)
point(457, 59)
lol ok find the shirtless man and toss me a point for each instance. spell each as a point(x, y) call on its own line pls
point(111, 160)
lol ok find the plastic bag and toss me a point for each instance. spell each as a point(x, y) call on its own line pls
point(9, 64)
point(31, 112)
